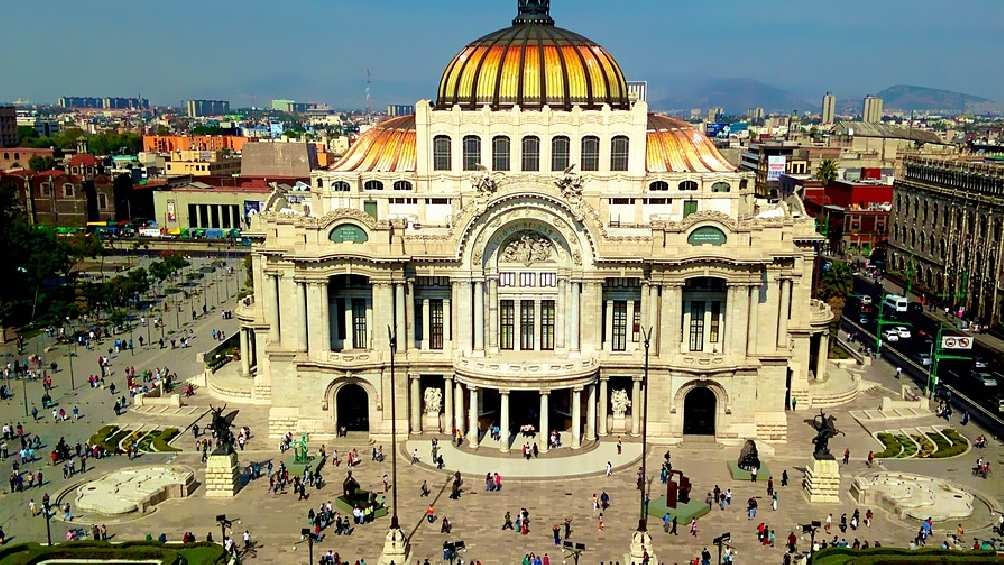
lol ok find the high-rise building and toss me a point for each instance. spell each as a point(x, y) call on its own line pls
point(829, 108)
point(872, 111)
point(395, 110)
point(107, 103)
point(714, 112)
point(200, 108)
point(8, 126)
point(755, 114)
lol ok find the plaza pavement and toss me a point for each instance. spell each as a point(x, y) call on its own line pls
point(477, 517)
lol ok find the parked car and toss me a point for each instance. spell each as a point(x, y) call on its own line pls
point(904, 332)
point(891, 334)
point(925, 359)
point(862, 298)
point(981, 363)
point(985, 378)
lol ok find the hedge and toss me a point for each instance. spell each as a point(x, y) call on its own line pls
point(101, 436)
point(160, 443)
point(909, 448)
point(201, 553)
point(892, 447)
point(959, 444)
point(885, 555)
point(926, 445)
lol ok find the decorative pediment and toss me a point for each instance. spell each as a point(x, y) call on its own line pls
point(528, 248)
point(340, 215)
point(696, 218)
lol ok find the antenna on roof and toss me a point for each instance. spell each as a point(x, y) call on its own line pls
point(369, 99)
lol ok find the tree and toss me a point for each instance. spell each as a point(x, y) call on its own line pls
point(836, 283)
point(25, 133)
point(827, 171)
point(41, 163)
point(163, 130)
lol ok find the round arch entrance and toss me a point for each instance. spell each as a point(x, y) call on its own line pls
point(699, 412)
point(353, 406)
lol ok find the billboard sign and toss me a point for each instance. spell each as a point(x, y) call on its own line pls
point(775, 167)
point(956, 342)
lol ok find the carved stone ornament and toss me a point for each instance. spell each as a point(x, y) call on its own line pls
point(528, 248)
point(619, 402)
point(487, 183)
point(570, 186)
point(433, 400)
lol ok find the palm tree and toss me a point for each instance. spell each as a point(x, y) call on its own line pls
point(827, 171)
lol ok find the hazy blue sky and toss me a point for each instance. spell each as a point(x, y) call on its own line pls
point(255, 50)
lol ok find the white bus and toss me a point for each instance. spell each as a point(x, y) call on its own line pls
point(895, 303)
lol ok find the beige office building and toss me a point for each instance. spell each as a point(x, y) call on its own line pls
point(523, 236)
point(872, 111)
point(829, 108)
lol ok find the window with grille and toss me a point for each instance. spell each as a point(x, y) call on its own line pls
point(715, 330)
point(697, 325)
point(373, 185)
point(435, 324)
point(619, 147)
point(687, 185)
point(500, 153)
point(547, 325)
point(721, 186)
point(528, 279)
point(590, 153)
point(402, 185)
point(507, 322)
point(659, 185)
point(561, 148)
point(507, 279)
point(531, 153)
point(636, 322)
point(526, 323)
point(67, 190)
point(548, 279)
point(340, 186)
point(618, 335)
point(472, 152)
point(442, 153)
point(358, 324)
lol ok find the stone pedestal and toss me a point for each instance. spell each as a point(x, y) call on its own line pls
point(619, 424)
point(822, 481)
point(430, 423)
point(640, 543)
point(222, 475)
point(395, 549)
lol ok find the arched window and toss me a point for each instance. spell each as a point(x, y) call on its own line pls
point(561, 148)
point(531, 153)
point(659, 185)
point(442, 153)
point(500, 153)
point(687, 185)
point(373, 185)
point(340, 186)
point(721, 186)
point(743, 184)
point(590, 153)
point(472, 152)
point(402, 185)
point(320, 183)
point(619, 148)
point(348, 233)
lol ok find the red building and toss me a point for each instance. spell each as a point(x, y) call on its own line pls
point(57, 198)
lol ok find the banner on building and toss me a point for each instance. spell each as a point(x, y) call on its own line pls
point(956, 342)
point(172, 214)
point(251, 207)
point(775, 167)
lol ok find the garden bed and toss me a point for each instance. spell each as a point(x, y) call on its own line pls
point(168, 554)
point(891, 447)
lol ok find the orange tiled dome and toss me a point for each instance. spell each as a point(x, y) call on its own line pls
point(533, 64)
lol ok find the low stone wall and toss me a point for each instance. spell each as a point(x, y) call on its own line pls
point(154, 398)
point(889, 404)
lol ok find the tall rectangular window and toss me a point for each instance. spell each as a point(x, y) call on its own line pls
point(507, 279)
point(507, 324)
point(618, 333)
point(689, 207)
point(531, 153)
point(435, 324)
point(500, 153)
point(697, 325)
point(715, 330)
point(590, 153)
point(442, 153)
point(561, 148)
point(547, 325)
point(472, 152)
point(358, 324)
point(193, 216)
point(619, 153)
point(636, 322)
point(526, 324)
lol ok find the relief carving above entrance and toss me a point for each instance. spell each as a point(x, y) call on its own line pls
point(528, 248)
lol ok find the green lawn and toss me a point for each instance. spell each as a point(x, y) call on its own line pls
point(169, 554)
point(892, 447)
point(743, 475)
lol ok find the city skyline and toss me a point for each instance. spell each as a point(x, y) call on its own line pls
point(295, 54)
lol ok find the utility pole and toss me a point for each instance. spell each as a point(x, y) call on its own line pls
point(937, 355)
point(910, 273)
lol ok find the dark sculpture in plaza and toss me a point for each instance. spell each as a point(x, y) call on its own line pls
point(221, 430)
point(749, 458)
point(677, 492)
point(825, 430)
point(349, 486)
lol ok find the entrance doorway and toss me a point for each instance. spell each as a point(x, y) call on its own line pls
point(699, 412)
point(353, 406)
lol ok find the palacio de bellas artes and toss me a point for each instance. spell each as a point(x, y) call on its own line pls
point(529, 239)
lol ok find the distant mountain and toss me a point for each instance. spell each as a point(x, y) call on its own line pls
point(906, 97)
point(736, 95)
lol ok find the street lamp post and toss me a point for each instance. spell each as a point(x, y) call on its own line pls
point(24, 392)
point(810, 529)
point(643, 506)
point(394, 523)
point(307, 533)
point(721, 540)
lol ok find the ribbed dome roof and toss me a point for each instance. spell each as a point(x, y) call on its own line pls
point(533, 64)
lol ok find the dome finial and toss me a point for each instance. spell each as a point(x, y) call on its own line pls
point(534, 12)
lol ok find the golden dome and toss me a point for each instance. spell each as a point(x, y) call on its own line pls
point(533, 64)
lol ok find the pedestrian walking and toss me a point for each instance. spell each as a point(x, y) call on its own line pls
point(693, 527)
point(610, 469)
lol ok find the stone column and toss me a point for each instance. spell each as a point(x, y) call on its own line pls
point(542, 431)
point(400, 326)
point(576, 417)
point(753, 329)
point(740, 341)
point(245, 354)
point(274, 318)
point(447, 324)
point(493, 314)
point(504, 419)
point(782, 318)
point(368, 311)
point(608, 325)
point(325, 318)
point(299, 311)
point(675, 312)
point(426, 323)
point(604, 403)
point(591, 414)
point(479, 316)
point(589, 312)
point(448, 422)
point(653, 317)
point(636, 407)
point(409, 314)
point(560, 319)
point(729, 348)
point(348, 340)
point(645, 320)
point(472, 431)
point(629, 343)
point(458, 406)
point(574, 315)
point(415, 405)
point(823, 355)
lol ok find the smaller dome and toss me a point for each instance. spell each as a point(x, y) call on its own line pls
point(387, 147)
